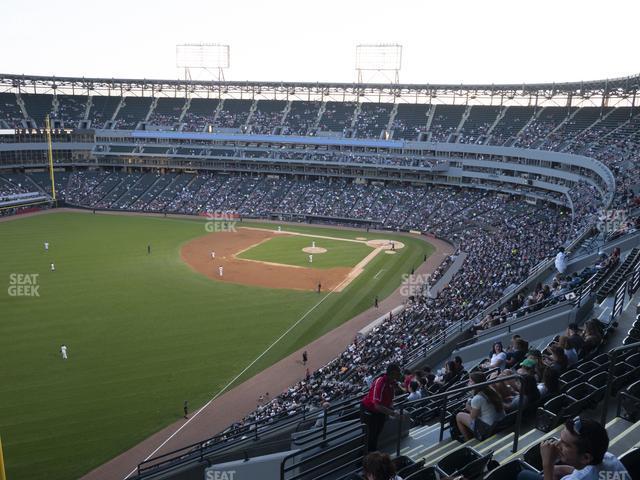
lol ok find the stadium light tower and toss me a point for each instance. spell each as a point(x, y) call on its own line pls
point(381, 61)
point(204, 58)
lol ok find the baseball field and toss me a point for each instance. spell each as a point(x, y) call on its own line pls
point(151, 320)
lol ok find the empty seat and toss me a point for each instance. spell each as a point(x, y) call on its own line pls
point(429, 473)
point(633, 360)
point(457, 460)
point(405, 466)
point(569, 379)
point(623, 375)
point(631, 461)
point(476, 469)
point(601, 359)
point(599, 382)
point(588, 367)
point(583, 393)
point(629, 405)
point(553, 412)
point(510, 470)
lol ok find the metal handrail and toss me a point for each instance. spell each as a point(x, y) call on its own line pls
point(198, 449)
point(578, 291)
point(613, 353)
point(359, 427)
point(445, 395)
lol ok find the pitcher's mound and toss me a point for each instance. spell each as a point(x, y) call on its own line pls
point(314, 250)
point(385, 244)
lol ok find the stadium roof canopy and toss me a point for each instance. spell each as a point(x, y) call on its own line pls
point(602, 90)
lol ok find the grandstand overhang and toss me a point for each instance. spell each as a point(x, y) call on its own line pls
point(607, 92)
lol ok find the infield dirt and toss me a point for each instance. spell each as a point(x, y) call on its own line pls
point(226, 245)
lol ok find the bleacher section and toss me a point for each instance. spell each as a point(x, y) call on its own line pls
point(302, 118)
point(133, 112)
point(10, 113)
point(200, 114)
point(267, 116)
point(445, 122)
point(38, 107)
point(513, 120)
point(410, 121)
point(234, 113)
point(167, 113)
point(71, 110)
point(337, 116)
point(102, 109)
point(476, 127)
point(372, 120)
point(546, 121)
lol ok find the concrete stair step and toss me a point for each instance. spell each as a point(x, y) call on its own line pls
point(433, 450)
point(626, 439)
point(496, 442)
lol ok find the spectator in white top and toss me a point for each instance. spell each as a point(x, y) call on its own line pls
point(498, 358)
point(561, 261)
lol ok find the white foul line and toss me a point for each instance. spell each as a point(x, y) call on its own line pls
point(379, 272)
point(235, 378)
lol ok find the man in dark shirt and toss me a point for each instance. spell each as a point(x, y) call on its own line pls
point(518, 354)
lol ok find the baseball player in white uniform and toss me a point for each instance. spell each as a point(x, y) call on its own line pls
point(213, 254)
point(63, 352)
point(53, 267)
point(46, 246)
point(310, 258)
point(220, 270)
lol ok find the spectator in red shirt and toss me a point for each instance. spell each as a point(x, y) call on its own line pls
point(378, 403)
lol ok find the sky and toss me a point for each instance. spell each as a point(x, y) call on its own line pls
point(464, 41)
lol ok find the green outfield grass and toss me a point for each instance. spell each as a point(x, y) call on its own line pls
point(287, 250)
point(145, 332)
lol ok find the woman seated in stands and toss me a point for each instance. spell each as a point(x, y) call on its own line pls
point(550, 384)
point(484, 409)
point(558, 360)
point(449, 373)
point(498, 358)
point(507, 388)
point(569, 351)
point(592, 336)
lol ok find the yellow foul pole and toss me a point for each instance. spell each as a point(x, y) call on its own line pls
point(50, 155)
point(3, 475)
